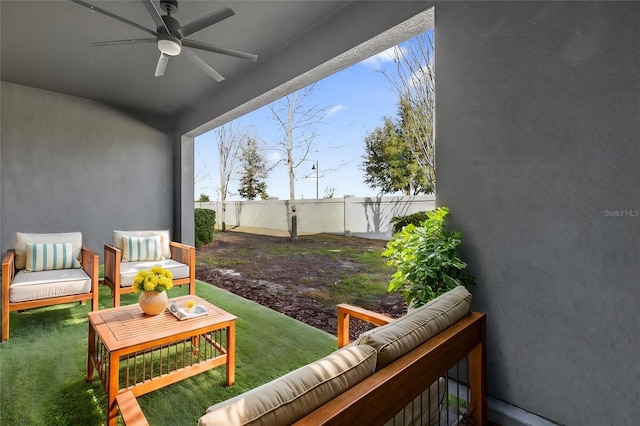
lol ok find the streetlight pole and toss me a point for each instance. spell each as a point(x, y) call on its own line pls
point(317, 169)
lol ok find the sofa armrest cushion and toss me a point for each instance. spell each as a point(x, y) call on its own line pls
point(21, 239)
point(163, 234)
point(292, 396)
point(394, 340)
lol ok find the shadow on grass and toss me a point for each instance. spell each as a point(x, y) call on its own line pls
point(35, 322)
point(77, 403)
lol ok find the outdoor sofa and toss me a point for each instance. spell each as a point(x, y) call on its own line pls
point(400, 364)
point(133, 251)
point(47, 269)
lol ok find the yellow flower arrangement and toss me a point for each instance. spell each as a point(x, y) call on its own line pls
point(155, 279)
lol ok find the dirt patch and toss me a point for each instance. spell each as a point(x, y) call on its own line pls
point(293, 277)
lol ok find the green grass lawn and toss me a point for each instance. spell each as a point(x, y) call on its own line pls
point(43, 365)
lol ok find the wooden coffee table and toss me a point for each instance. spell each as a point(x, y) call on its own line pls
point(135, 352)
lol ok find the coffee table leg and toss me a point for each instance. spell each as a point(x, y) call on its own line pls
point(114, 385)
point(91, 352)
point(231, 353)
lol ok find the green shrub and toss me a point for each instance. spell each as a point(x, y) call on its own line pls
point(205, 220)
point(400, 222)
point(426, 260)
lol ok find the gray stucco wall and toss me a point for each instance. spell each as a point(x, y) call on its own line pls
point(69, 164)
point(538, 129)
point(183, 161)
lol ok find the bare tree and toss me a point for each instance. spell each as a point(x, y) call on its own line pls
point(329, 191)
point(414, 82)
point(297, 118)
point(230, 139)
point(202, 180)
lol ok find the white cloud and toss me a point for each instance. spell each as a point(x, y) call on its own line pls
point(388, 55)
point(334, 110)
point(274, 157)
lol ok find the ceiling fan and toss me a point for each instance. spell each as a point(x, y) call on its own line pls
point(170, 35)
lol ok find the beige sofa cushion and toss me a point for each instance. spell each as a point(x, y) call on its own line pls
point(47, 284)
point(164, 237)
point(395, 339)
point(21, 239)
point(292, 396)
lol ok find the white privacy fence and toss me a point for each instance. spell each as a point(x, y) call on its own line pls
point(368, 217)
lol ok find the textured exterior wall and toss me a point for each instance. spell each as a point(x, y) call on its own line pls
point(537, 129)
point(69, 164)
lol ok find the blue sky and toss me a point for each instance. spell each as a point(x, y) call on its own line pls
point(357, 99)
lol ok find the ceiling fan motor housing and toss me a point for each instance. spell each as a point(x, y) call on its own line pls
point(170, 44)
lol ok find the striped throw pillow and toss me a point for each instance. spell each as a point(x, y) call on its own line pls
point(46, 257)
point(135, 249)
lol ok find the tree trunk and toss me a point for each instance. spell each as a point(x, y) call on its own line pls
point(294, 227)
point(223, 218)
point(292, 176)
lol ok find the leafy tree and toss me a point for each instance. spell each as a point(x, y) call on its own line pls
point(413, 79)
point(389, 163)
point(204, 198)
point(254, 171)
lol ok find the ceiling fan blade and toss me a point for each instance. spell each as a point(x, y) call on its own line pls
point(203, 65)
point(117, 42)
point(155, 15)
point(111, 15)
point(162, 65)
point(217, 49)
point(205, 21)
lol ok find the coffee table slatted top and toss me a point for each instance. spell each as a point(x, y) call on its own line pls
point(124, 326)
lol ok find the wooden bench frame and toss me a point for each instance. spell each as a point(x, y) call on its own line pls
point(89, 261)
point(379, 397)
point(113, 258)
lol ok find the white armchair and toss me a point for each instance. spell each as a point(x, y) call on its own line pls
point(133, 251)
point(47, 269)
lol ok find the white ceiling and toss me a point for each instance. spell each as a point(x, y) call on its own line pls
point(42, 45)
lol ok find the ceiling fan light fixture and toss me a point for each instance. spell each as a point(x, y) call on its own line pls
point(169, 46)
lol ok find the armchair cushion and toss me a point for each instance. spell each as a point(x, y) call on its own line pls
point(163, 234)
point(48, 284)
point(47, 257)
point(135, 249)
point(128, 270)
point(407, 333)
point(21, 239)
